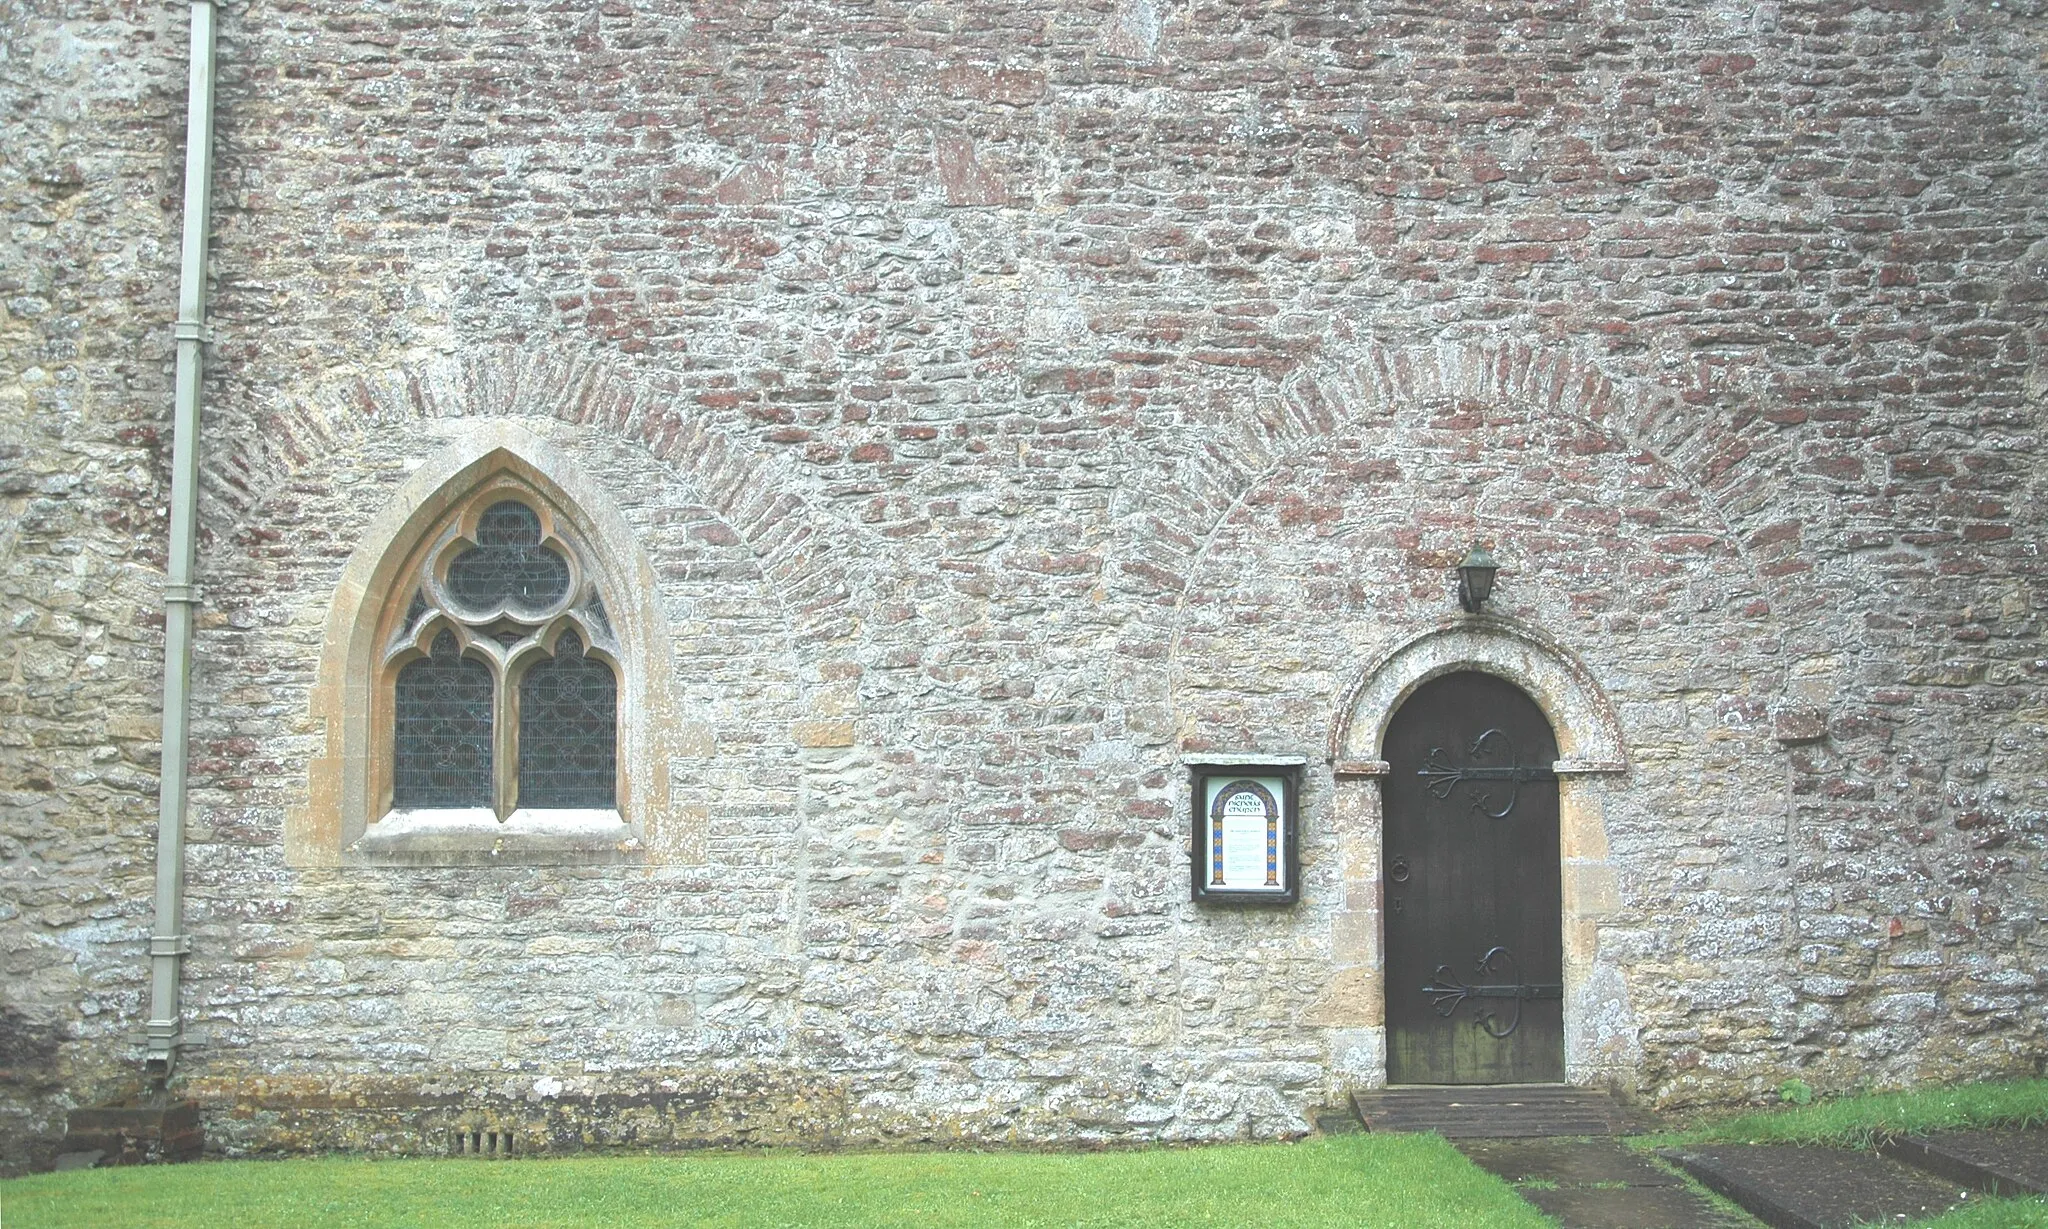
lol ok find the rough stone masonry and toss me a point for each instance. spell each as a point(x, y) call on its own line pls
point(1003, 404)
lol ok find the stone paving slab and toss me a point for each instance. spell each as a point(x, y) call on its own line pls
point(1633, 1207)
point(2013, 1162)
point(1567, 1162)
point(1598, 1184)
point(1804, 1187)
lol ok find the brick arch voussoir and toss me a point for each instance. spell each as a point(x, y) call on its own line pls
point(800, 550)
point(1701, 425)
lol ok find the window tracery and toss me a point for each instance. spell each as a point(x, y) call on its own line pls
point(502, 672)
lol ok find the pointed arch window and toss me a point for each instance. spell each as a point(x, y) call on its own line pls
point(501, 676)
point(496, 682)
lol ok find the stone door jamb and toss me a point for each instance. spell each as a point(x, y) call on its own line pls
point(1601, 1042)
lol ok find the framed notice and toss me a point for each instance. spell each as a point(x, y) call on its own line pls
point(1244, 831)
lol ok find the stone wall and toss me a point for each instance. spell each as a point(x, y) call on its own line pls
point(1010, 400)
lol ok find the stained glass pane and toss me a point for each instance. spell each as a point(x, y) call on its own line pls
point(508, 566)
point(568, 716)
point(443, 731)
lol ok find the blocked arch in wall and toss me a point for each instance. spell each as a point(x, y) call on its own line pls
point(346, 784)
point(1591, 754)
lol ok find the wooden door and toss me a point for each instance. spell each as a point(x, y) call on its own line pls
point(1470, 885)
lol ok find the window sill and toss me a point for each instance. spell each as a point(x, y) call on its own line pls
point(473, 836)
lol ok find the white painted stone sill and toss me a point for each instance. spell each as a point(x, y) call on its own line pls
point(473, 836)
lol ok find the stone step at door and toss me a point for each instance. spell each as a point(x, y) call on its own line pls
point(1498, 1111)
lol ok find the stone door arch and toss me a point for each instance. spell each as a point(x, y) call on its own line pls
point(1600, 1032)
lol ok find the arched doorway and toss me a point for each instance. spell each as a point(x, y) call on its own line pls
point(1471, 885)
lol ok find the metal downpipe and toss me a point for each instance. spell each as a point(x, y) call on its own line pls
point(167, 942)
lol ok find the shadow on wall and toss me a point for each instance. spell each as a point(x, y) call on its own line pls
point(29, 1072)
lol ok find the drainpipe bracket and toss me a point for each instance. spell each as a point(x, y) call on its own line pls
point(188, 594)
point(192, 330)
point(170, 945)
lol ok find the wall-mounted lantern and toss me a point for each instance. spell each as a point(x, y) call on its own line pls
point(1475, 578)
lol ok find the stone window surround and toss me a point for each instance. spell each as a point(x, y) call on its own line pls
point(1601, 1036)
point(348, 787)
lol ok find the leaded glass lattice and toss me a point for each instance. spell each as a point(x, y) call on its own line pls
point(442, 756)
point(568, 711)
point(508, 567)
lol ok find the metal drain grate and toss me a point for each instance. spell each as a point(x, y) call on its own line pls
point(479, 1142)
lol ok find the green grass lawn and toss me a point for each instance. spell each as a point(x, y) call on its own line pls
point(1858, 1122)
point(1357, 1180)
point(1993, 1214)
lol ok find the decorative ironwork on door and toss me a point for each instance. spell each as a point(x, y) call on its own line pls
point(1448, 993)
point(1443, 778)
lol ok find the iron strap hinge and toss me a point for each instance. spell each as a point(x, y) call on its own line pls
point(1516, 990)
point(1518, 773)
point(1449, 993)
point(1443, 778)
